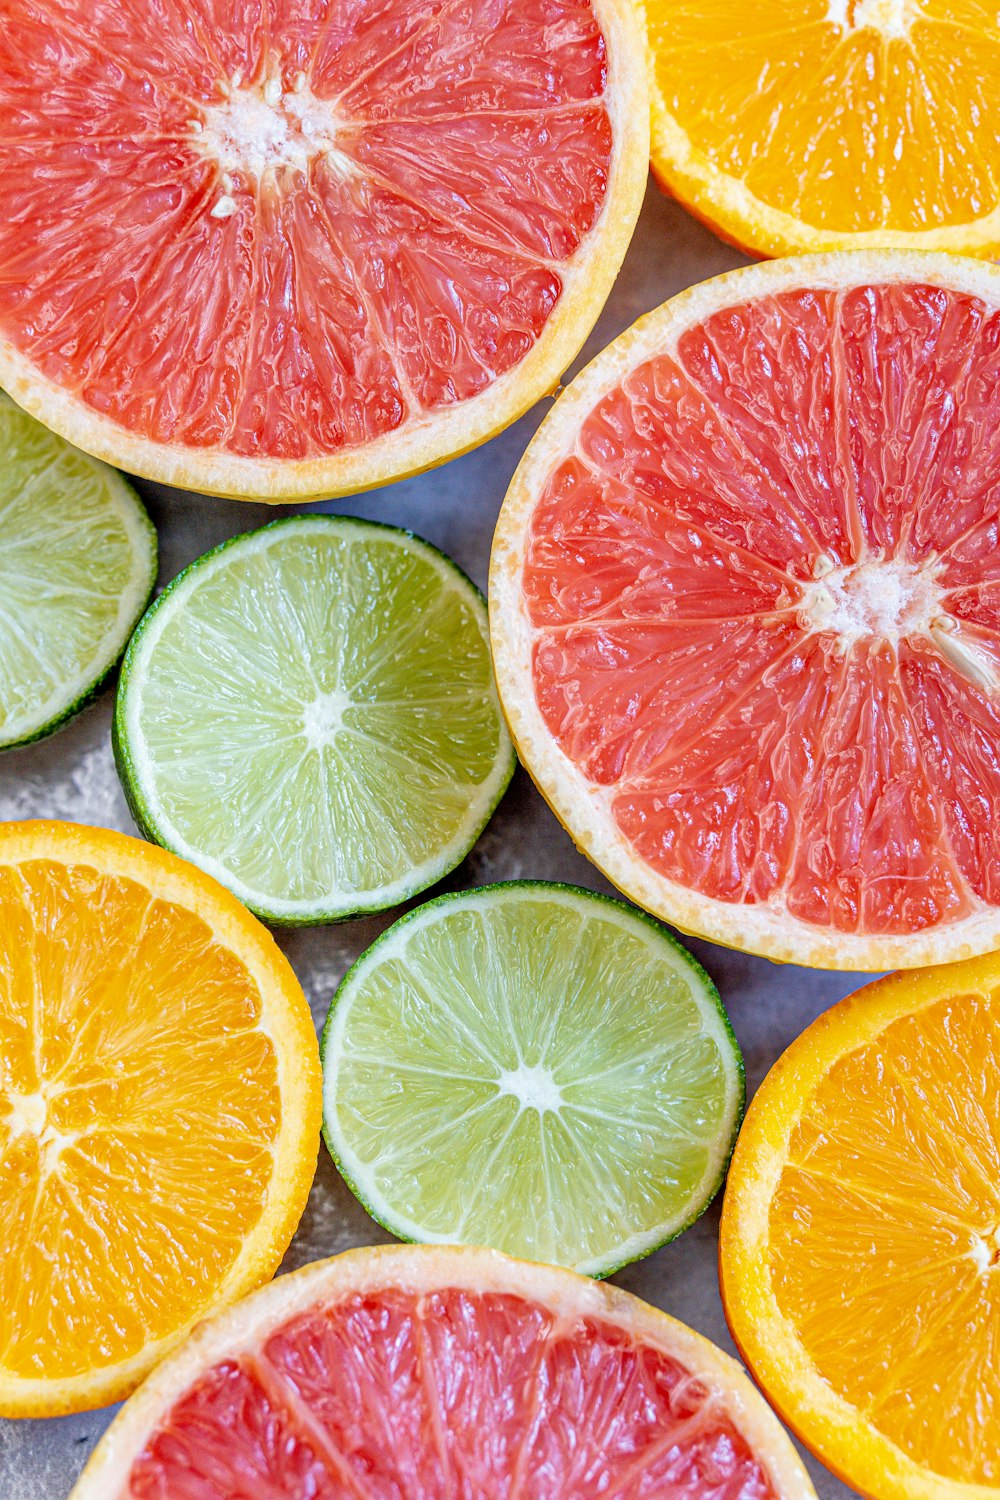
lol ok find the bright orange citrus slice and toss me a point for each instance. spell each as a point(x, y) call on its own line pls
point(159, 1110)
point(822, 124)
point(860, 1248)
point(435, 1372)
point(745, 606)
point(287, 248)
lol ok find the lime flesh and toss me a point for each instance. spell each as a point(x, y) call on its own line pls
point(77, 564)
point(308, 713)
point(534, 1068)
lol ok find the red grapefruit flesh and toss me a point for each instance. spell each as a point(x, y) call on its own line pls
point(431, 1373)
point(746, 610)
point(281, 248)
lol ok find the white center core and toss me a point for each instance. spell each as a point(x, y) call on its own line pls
point(261, 128)
point(986, 1250)
point(887, 600)
point(533, 1088)
point(29, 1115)
point(323, 718)
point(890, 17)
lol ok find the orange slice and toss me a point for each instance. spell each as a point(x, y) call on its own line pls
point(436, 1372)
point(860, 1248)
point(289, 248)
point(159, 1110)
point(745, 610)
point(822, 124)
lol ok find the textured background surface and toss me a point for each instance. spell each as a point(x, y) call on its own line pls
point(72, 776)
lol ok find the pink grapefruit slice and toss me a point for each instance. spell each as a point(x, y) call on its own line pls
point(440, 1371)
point(745, 602)
point(282, 248)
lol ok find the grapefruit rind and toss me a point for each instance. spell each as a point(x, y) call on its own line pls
point(581, 806)
point(829, 1426)
point(243, 1328)
point(71, 698)
point(289, 1025)
point(633, 1247)
point(138, 781)
point(433, 437)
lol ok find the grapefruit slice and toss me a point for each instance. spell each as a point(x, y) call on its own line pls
point(283, 249)
point(441, 1371)
point(745, 604)
point(860, 1242)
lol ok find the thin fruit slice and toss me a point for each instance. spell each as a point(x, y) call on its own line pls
point(860, 1249)
point(436, 1372)
point(308, 713)
point(290, 248)
point(77, 567)
point(159, 1110)
point(745, 605)
point(830, 124)
point(532, 1067)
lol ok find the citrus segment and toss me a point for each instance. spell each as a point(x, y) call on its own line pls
point(158, 1096)
point(823, 124)
point(432, 1372)
point(306, 249)
point(745, 626)
point(77, 565)
point(562, 1050)
point(869, 1162)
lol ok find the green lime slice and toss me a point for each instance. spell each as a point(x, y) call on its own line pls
point(532, 1067)
point(77, 567)
point(308, 713)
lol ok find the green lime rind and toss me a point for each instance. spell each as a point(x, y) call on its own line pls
point(402, 1099)
point(78, 562)
point(462, 717)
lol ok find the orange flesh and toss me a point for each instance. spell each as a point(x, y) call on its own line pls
point(391, 1394)
point(139, 1106)
point(428, 168)
point(884, 1248)
point(849, 115)
point(765, 736)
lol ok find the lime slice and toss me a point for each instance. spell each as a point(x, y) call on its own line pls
point(77, 566)
point(535, 1068)
point(308, 713)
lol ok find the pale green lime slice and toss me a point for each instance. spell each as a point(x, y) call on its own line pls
point(77, 566)
point(535, 1068)
point(308, 713)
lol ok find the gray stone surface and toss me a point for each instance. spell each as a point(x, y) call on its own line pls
point(72, 776)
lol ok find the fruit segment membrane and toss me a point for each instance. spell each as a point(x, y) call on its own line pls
point(764, 588)
point(282, 228)
point(391, 1394)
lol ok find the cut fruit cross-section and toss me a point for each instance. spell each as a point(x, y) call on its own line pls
point(745, 605)
point(436, 1372)
point(282, 249)
point(159, 1110)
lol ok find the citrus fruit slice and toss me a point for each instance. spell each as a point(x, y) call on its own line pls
point(830, 124)
point(159, 1110)
point(308, 713)
point(532, 1067)
point(432, 1372)
point(293, 249)
point(860, 1246)
point(745, 605)
point(77, 567)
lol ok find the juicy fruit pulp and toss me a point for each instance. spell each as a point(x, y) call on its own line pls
point(875, 1171)
point(443, 1389)
point(141, 1113)
point(287, 229)
point(535, 1068)
point(763, 599)
point(884, 136)
point(309, 713)
point(77, 563)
